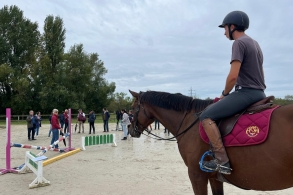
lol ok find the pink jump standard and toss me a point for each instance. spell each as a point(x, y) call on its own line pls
point(8, 168)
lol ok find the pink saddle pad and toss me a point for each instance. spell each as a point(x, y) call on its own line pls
point(250, 129)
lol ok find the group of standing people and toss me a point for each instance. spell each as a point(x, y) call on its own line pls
point(33, 124)
point(124, 119)
point(81, 119)
point(59, 122)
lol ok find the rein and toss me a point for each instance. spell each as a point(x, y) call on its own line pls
point(158, 137)
point(172, 138)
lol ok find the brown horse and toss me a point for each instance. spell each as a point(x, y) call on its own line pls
point(267, 166)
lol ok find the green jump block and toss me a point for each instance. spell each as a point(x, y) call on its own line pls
point(90, 140)
point(97, 140)
point(104, 139)
point(86, 141)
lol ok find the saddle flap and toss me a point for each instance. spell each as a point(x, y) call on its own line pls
point(226, 125)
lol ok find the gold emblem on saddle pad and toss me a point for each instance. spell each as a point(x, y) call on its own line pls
point(252, 131)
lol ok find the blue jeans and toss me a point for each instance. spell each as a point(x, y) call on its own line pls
point(62, 125)
point(50, 130)
point(55, 137)
point(106, 125)
point(37, 130)
point(125, 130)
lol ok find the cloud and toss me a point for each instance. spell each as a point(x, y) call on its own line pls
point(172, 45)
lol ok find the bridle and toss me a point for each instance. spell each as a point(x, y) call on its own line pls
point(137, 124)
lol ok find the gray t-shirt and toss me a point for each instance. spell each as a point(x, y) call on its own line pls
point(248, 52)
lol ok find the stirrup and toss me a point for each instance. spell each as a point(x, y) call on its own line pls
point(220, 168)
point(207, 153)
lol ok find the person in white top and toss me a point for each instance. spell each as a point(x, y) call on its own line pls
point(125, 123)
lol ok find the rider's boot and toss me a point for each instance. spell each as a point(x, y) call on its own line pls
point(221, 161)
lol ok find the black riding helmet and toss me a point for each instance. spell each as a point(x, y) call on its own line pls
point(239, 19)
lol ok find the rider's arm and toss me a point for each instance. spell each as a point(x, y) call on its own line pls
point(232, 76)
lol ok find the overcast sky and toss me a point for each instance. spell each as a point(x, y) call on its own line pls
point(172, 45)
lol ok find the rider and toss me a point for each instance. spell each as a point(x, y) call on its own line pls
point(246, 74)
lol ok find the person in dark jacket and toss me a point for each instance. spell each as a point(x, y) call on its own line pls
point(66, 120)
point(50, 117)
point(130, 115)
point(37, 122)
point(118, 118)
point(30, 126)
point(92, 118)
point(106, 117)
point(62, 119)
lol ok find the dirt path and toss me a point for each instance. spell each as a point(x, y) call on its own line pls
point(137, 166)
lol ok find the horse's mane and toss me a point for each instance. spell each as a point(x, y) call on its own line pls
point(177, 101)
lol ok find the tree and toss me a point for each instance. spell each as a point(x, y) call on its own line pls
point(19, 39)
point(86, 81)
point(35, 73)
point(54, 40)
point(120, 101)
point(287, 100)
point(49, 70)
point(289, 97)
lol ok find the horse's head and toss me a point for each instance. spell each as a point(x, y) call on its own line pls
point(141, 118)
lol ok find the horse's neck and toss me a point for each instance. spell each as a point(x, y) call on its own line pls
point(169, 118)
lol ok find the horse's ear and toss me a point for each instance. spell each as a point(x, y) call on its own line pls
point(134, 94)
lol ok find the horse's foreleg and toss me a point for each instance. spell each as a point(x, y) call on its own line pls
point(199, 182)
point(217, 187)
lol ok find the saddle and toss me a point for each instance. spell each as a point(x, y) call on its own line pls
point(226, 125)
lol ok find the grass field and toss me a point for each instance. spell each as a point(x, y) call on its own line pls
point(23, 122)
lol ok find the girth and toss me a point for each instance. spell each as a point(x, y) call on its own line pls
point(226, 125)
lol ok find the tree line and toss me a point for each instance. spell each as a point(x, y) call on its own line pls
point(37, 73)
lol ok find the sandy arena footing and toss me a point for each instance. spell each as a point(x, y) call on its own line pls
point(137, 166)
